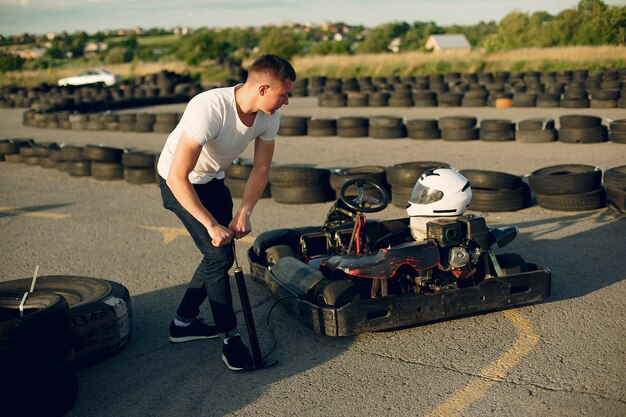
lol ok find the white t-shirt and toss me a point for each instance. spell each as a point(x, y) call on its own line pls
point(211, 119)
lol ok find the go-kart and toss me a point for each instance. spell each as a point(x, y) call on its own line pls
point(353, 275)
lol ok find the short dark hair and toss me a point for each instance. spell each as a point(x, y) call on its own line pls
point(274, 66)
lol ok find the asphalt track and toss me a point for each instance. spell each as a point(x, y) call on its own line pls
point(565, 356)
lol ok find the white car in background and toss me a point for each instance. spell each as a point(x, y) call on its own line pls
point(93, 76)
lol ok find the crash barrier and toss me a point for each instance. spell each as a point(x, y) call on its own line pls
point(152, 89)
point(569, 89)
point(50, 326)
point(289, 184)
point(573, 128)
point(99, 162)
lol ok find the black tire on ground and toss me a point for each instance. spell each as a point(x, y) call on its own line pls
point(591, 200)
point(290, 194)
point(512, 263)
point(107, 170)
point(424, 134)
point(387, 132)
point(500, 200)
point(374, 173)
point(322, 131)
point(237, 187)
point(138, 159)
point(273, 254)
point(14, 158)
point(536, 136)
point(40, 338)
point(72, 153)
point(616, 198)
point(400, 196)
point(336, 293)
point(536, 124)
point(616, 126)
point(352, 121)
point(292, 131)
point(300, 176)
point(352, 132)
point(616, 177)
point(496, 136)
point(565, 179)
point(617, 136)
point(497, 125)
point(492, 180)
point(459, 134)
point(579, 121)
point(79, 168)
point(457, 122)
point(422, 124)
point(406, 174)
point(583, 135)
point(103, 153)
point(139, 175)
point(100, 312)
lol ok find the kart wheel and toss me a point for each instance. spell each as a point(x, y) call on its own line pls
point(273, 254)
point(336, 293)
point(512, 264)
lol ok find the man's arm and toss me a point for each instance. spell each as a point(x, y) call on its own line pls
point(263, 153)
point(185, 159)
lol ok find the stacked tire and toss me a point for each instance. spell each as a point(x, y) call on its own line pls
point(582, 129)
point(423, 129)
point(36, 356)
point(568, 187)
point(386, 127)
point(352, 127)
point(139, 167)
point(299, 185)
point(402, 178)
point(106, 162)
point(322, 127)
point(536, 130)
point(237, 176)
point(494, 191)
point(73, 161)
point(10, 149)
point(617, 131)
point(615, 183)
point(165, 122)
point(497, 130)
point(458, 128)
point(293, 125)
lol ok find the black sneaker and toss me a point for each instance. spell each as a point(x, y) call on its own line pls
point(195, 331)
point(236, 355)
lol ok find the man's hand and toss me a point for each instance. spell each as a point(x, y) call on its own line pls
point(220, 235)
point(240, 225)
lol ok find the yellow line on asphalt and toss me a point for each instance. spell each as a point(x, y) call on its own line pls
point(526, 341)
point(21, 212)
point(171, 233)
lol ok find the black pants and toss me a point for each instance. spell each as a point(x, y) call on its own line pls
point(211, 277)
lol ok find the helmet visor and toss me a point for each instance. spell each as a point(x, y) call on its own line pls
point(424, 195)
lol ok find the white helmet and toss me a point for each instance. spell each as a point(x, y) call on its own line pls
point(440, 192)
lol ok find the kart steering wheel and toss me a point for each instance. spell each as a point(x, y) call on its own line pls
point(364, 202)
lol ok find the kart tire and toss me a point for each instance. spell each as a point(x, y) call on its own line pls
point(353, 132)
point(275, 253)
point(592, 200)
point(594, 134)
point(617, 136)
point(497, 125)
point(457, 122)
point(579, 121)
point(422, 124)
point(400, 196)
point(491, 180)
point(616, 126)
point(386, 122)
point(496, 136)
point(79, 168)
point(322, 131)
point(335, 293)
point(292, 131)
point(387, 132)
point(290, 194)
point(459, 134)
point(72, 153)
point(352, 122)
point(512, 263)
point(100, 312)
point(616, 177)
point(565, 179)
point(500, 200)
point(406, 174)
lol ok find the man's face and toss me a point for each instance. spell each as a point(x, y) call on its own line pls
point(275, 96)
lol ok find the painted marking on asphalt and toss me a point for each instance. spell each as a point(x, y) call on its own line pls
point(16, 211)
point(526, 341)
point(171, 233)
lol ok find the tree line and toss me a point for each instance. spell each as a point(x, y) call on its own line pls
point(591, 22)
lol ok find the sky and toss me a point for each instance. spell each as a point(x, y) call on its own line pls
point(43, 16)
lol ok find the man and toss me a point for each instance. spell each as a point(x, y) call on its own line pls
point(215, 128)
